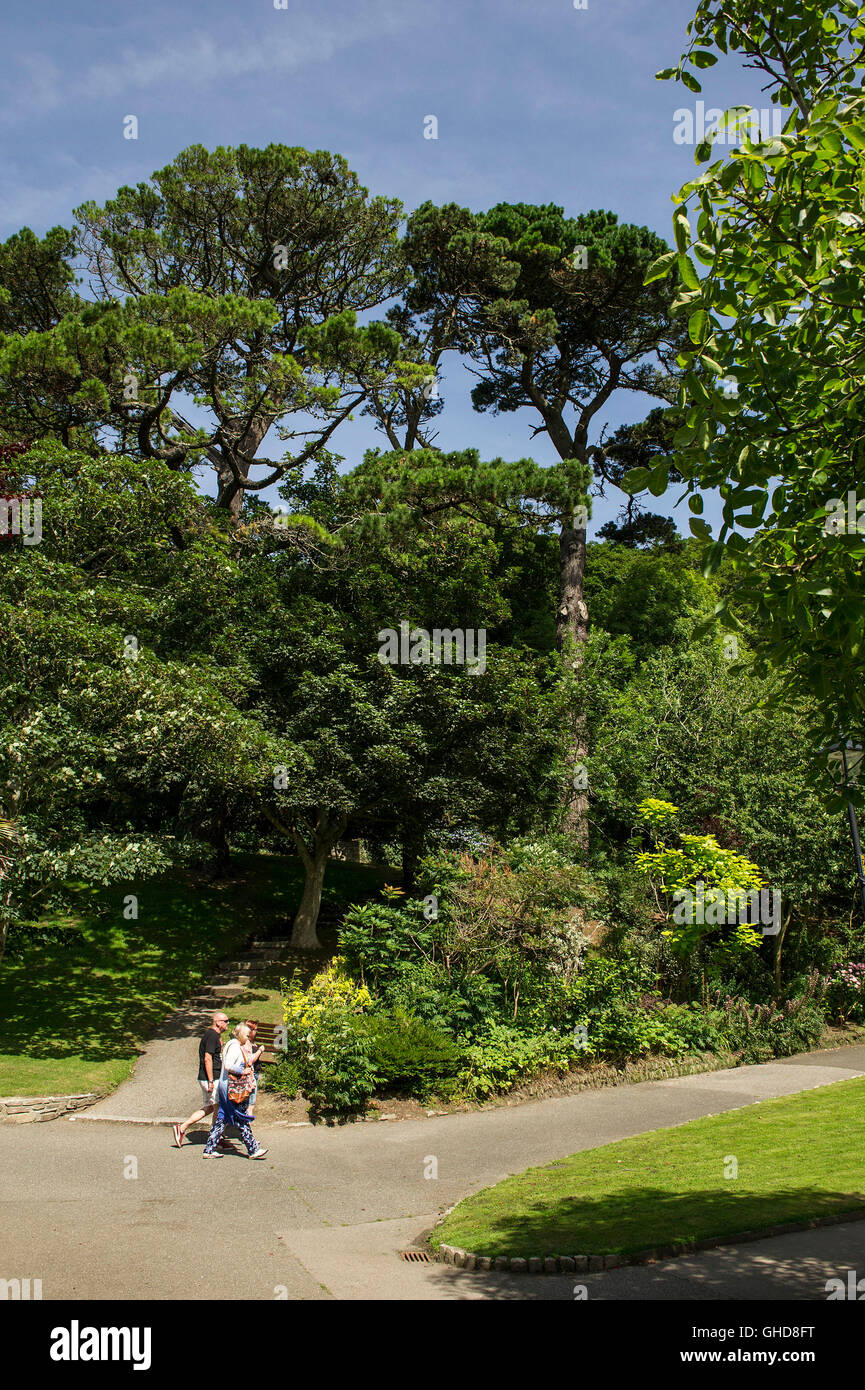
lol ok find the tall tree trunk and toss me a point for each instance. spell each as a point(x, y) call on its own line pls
point(572, 630)
point(314, 846)
point(304, 934)
point(230, 493)
point(314, 854)
point(572, 614)
point(7, 832)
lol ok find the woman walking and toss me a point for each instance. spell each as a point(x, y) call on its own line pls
point(252, 1052)
point(235, 1084)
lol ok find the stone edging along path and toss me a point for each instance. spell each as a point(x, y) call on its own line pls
point(26, 1109)
point(594, 1264)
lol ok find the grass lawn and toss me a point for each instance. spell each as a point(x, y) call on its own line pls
point(73, 1016)
point(798, 1158)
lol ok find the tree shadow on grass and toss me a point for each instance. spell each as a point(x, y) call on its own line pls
point(634, 1219)
point(113, 984)
point(793, 1266)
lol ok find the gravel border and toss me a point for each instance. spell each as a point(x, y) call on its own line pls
point(594, 1264)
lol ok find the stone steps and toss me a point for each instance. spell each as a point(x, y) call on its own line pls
point(229, 967)
point(233, 977)
point(207, 994)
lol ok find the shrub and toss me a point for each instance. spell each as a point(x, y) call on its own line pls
point(726, 877)
point(426, 991)
point(606, 978)
point(515, 908)
point(327, 1055)
point(502, 1056)
point(331, 994)
point(762, 1031)
point(845, 993)
point(501, 938)
point(700, 1029)
point(378, 942)
point(283, 1076)
point(409, 1054)
point(336, 1070)
point(620, 1032)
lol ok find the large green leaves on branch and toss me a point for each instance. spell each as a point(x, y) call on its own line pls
point(772, 394)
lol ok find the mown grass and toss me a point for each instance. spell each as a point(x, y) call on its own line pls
point(795, 1159)
point(73, 1016)
point(60, 1076)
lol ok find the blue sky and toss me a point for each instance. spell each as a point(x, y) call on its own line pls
point(536, 102)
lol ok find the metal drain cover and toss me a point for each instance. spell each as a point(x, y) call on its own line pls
point(416, 1257)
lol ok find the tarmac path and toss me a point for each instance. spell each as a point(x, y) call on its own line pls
point(106, 1209)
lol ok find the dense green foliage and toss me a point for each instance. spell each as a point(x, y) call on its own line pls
point(186, 676)
point(778, 310)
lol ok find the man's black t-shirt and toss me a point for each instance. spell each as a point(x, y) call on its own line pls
point(212, 1043)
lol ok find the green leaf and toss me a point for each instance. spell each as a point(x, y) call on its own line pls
point(698, 326)
point(682, 231)
point(688, 273)
point(660, 268)
point(658, 479)
point(713, 559)
point(635, 480)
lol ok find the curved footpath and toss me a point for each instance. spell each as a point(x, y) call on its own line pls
point(163, 1087)
point(107, 1210)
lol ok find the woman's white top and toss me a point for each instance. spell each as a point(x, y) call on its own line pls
point(232, 1058)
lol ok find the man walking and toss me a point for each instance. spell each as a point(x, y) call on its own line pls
point(209, 1068)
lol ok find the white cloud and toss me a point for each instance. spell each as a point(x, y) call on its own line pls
point(283, 42)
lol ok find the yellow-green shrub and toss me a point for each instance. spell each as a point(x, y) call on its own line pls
point(330, 993)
